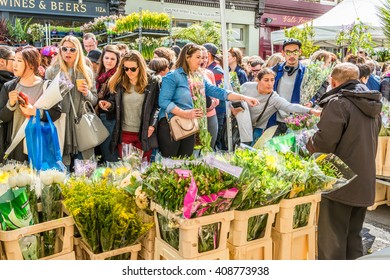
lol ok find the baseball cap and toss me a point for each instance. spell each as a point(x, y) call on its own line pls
point(49, 51)
point(292, 41)
point(211, 48)
point(94, 55)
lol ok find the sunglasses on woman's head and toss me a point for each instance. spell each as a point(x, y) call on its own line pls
point(65, 49)
point(132, 69)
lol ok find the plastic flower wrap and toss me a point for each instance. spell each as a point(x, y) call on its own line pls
point(262, 181)
point(315, 75)
point(25, 178)
point(18, 206)
point(84, 168)
point(297, 122)
point(197, 89)
point(284, 143)
point(133, 157)
point(51, 181)
point(385, 114)
point(301, 138)
point(194, 189)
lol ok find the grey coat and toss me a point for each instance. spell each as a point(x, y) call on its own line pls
point(70, 145)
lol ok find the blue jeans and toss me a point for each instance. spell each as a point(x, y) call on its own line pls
point(105, 146)
point(257, 132)
point(220, 144)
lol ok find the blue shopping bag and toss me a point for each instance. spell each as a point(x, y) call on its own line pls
point(42, 143)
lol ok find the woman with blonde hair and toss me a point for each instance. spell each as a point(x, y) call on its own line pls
point(71, 63)
point(274, 59)
point(134, 99)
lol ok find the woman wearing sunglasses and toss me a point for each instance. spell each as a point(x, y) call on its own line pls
point(18, 96)
point(134, 99)
point(176, 99)
point(108, 63)
point(71, 62)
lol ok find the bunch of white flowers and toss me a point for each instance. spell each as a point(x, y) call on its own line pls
point(50, 177)
point(141, 199)
point(21, 179)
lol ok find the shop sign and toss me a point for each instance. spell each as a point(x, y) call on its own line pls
point(185, 12)
point(283, 20)
point(57, 7)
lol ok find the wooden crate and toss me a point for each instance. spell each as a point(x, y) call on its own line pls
point(89, 255)
point(66, 257)
point(163, 251)
point(296, 245)
point(256, 250)
point(147, 241)
point(77, 248)
point(380, 196)
point(238, 235)
point(381, 154)
point(9, 240)
point(145, 254)
point(188, 231)
point(285, 217)
point(386, 164)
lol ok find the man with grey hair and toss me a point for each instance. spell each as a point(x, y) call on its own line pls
point(349, 127)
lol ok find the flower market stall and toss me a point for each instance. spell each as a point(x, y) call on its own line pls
point(250, 204)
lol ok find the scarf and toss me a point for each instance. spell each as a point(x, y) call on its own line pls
point(104, 77)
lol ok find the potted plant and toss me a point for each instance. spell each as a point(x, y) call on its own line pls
point(4, 34)
point(36, 31)
point(18, 30)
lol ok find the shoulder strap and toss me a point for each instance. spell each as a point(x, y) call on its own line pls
point(265, 107)
point(72, 104)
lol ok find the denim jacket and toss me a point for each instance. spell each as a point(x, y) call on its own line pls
point(175, 91)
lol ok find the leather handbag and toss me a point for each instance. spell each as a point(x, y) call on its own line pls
point(182, 128)
point(89, 128)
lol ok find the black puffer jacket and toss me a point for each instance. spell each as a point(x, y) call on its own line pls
point(349, 127)
point(5, 76)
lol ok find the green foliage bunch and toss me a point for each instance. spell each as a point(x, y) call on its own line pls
point(200, 33)
point(105, 216)
point(19, 30)
point(355, 36)
point(305, 35)
point(383, 13)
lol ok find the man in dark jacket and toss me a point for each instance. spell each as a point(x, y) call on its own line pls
point(349, 128)
point(7, 57)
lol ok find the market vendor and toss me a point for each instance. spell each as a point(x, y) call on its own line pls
point(349, 127)
point(270, 102)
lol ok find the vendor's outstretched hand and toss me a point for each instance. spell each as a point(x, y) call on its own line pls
point(315, 112)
